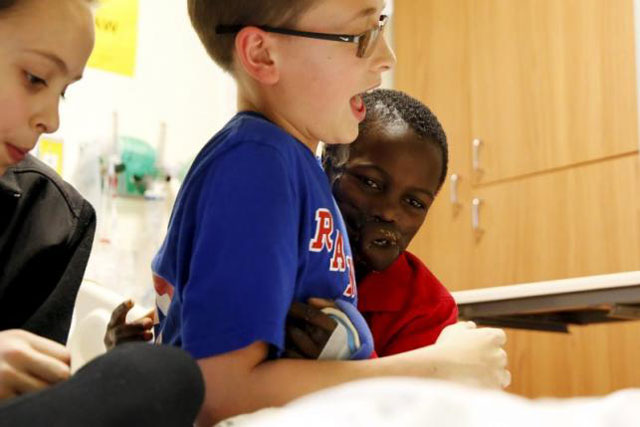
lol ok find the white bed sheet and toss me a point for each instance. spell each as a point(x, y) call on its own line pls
point(414, 402)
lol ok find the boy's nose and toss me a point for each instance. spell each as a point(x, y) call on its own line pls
point(386, 212)
point(385, 58)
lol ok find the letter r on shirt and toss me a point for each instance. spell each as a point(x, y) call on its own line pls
point(324, 230)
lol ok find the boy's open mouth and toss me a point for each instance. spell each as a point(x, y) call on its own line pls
point(379, 247)
point(382, 243)
point(382, 238)
point(357, 103)
point(358, 108)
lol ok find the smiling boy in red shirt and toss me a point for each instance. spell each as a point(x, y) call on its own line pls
point(385, 183)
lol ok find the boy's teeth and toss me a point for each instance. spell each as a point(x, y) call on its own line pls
point(381, 242)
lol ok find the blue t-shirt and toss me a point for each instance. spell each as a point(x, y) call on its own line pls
point(254, 228)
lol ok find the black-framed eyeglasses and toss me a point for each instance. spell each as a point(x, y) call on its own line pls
point(365, 41)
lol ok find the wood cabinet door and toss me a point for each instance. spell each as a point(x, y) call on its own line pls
point(553, 83)
point(576, 222)
point(590, 360)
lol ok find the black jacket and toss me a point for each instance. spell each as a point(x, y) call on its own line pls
point(46, 232)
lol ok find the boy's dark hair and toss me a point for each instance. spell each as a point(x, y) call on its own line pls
point(206, 15)
point(7, 4)
point(387, 107)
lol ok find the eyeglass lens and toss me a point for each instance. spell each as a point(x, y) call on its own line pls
point(369, 39)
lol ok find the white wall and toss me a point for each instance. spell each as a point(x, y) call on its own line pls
point(175, 81)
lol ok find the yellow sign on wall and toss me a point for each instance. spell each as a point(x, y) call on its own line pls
point(50, 152)
point(116, 37)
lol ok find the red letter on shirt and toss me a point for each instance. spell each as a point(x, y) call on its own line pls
point(324, 229)
point(338, 262)
point(350, 292)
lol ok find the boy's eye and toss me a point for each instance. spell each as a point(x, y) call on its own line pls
point(416, 203)
point(370, 183)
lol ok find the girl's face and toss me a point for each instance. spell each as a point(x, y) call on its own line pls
point(385, 192)
point(45, 47)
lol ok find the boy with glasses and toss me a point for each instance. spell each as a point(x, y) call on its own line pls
point(255, 226)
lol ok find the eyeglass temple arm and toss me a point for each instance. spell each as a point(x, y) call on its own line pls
point(230, 29)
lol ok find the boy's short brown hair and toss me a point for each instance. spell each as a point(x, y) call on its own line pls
point(207, 14)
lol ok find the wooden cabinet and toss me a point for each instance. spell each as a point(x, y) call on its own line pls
point(591, 360)
point(570, 223)
point(549, 86)
point(552, 83)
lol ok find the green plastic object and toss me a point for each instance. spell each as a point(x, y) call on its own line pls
point(139, 160)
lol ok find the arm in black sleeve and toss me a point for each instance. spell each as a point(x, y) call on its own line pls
point(53, 318)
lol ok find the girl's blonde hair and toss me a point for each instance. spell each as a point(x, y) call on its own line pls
point(6, 5)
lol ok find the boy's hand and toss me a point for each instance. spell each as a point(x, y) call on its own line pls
point(308, 329)
point(119, 331)
point(29, 363)
point(473, 355)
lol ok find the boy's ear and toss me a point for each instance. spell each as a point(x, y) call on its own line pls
point(254, 50)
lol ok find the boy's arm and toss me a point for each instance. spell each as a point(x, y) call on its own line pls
point(244, 380)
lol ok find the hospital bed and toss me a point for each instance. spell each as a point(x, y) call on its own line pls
point(410, 402)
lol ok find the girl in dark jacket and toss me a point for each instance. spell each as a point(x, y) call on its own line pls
point(46, 231)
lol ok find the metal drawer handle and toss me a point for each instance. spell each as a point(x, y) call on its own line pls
point(454, 189)
point(475, 214)
point(477, 143)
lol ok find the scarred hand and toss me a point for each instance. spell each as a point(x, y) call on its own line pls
point(308, 329)
point(119, 331)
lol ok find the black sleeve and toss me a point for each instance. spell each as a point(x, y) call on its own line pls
point(136, 384)
point(53, 318)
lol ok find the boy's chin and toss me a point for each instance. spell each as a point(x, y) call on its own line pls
point(343, 142)
point(379, 260)
point(342, 137)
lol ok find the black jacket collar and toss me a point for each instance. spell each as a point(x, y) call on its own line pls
point(9, 185)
